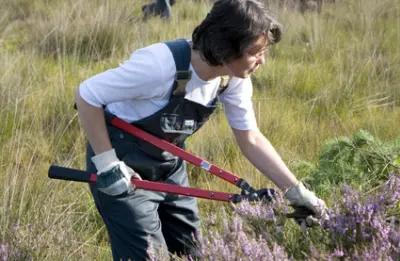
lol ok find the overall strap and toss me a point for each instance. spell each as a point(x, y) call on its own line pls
point(181, 52)
point(223, 84)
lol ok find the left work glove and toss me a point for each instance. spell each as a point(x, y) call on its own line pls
point(303, 200)
point(113, 175)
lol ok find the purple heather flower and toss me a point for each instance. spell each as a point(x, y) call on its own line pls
point(235, 243)
point(4, 252)
point(337, 253)
point(360, 226)
point(259, 210)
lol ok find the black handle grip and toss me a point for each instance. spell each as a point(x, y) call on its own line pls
point(300, 213)
point(57, 172)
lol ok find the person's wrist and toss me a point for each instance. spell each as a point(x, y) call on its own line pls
point(298, 193)
point(105, 160)
point(290, 186)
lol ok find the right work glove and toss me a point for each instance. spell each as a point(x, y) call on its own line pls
point(308, 207)
point(113, 175)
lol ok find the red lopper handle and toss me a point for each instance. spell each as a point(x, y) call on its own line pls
point(57, 172)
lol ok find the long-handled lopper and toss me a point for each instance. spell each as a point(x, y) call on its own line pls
point(247, 191)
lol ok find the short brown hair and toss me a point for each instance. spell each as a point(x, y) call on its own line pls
point(230, 27)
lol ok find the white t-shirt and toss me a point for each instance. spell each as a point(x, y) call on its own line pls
point(142, 85)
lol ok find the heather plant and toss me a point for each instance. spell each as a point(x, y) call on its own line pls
point(158, 254)
point(359, 226)
point(243, 234)
point(264, 216)
point(238, 242)
point(237, 239)
point(12, 250)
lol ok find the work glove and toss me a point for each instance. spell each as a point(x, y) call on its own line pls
point(308, 208)
point(113, 175)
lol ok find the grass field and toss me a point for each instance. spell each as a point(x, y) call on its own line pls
point(334, 73)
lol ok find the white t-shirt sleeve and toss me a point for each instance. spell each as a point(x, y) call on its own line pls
point(238, 104)
point(140, 77)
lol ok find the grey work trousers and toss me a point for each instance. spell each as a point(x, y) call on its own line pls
point(142, 217)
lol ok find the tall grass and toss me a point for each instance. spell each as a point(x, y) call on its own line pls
point(333, 73)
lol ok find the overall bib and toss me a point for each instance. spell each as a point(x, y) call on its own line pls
point(135, 219)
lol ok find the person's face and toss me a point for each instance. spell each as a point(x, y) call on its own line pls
point(252, 58)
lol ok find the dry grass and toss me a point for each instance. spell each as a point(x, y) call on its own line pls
point(334, 72)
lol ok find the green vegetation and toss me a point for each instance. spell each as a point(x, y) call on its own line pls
point(328, 99)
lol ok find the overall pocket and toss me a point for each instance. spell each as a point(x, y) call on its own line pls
point(134, 155)
point(175, 123)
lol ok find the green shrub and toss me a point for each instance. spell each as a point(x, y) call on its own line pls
point(361, 160)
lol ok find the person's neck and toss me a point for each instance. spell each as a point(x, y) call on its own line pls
point(205, 71)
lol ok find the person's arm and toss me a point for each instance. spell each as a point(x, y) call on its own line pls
point(259, 151)
point(93, 123)
point(128, 82)
point(113, 174)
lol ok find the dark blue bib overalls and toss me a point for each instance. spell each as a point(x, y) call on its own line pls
point(133, 220)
